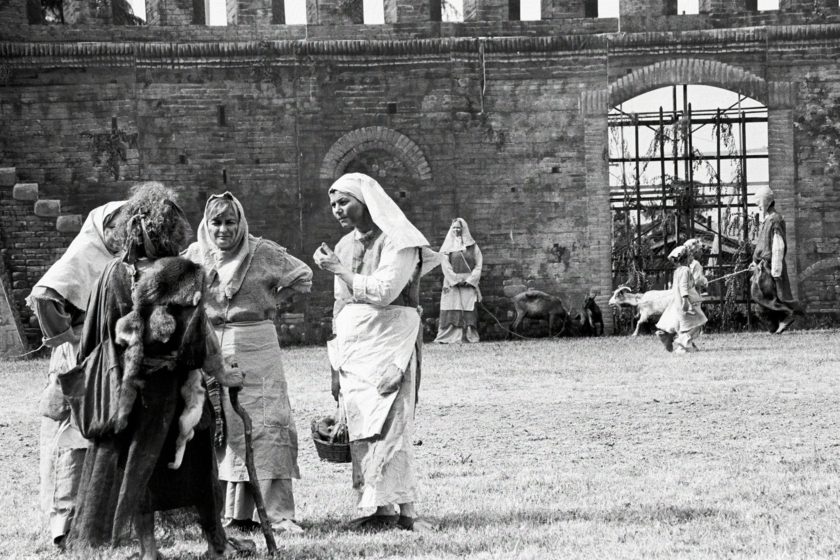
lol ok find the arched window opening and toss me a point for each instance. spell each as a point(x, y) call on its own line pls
point(685, 162)
point(374, 12)
point(452, 10)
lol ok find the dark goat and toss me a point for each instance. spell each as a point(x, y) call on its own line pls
point(535, 304)
point(590, 317)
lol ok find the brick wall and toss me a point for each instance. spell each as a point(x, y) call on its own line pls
point(507, 133)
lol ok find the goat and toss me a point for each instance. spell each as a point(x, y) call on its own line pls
point(591, 317)
point(535, 304)
point(649, 305)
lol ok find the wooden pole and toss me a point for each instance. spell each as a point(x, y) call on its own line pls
point(253, 481)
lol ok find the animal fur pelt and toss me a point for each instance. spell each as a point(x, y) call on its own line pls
point(192, 392)
point(169, 281)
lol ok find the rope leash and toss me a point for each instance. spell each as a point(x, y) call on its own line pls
point(19, 356)
point(728, 276)
point(504, 328)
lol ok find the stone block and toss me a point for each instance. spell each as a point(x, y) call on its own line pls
point(49, 208)
point(71, 223)
point(25, 191)
point(8, 176)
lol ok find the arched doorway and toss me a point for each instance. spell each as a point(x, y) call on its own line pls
point(685, 162)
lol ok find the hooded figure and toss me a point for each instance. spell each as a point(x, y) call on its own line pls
point(59, 300)
point(377, 348)
point(461, 264)
point(770, 286)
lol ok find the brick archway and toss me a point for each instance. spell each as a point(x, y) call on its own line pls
point(358, 141)
point(688, 71)
point(819, 266)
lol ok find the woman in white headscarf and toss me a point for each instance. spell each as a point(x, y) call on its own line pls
point(247, 277)
point(376, 350)
point(683, 319)
point(59, 300)
point(461, 265)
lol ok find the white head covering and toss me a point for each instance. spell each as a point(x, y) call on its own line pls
point(678, 252)
point(238, 256)
point(386, 215)
point(75, 273)
point(454, 243)
point(693, 244)
point(765, 198)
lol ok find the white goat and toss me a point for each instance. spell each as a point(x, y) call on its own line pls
point(649, 305)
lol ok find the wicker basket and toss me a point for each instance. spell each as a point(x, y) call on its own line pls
point(331, 451)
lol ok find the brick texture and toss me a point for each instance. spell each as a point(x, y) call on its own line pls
point(501, 123)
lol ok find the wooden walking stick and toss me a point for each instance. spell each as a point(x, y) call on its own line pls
point(253, 481)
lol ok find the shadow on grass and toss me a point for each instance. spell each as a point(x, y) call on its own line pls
point(671, 515)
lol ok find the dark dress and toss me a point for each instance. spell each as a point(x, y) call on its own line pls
point(772, 294)
point(126, 473)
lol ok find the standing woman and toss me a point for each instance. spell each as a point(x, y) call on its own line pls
point(376, 351)
point(247, 277)
point(127, 474)
point(683, 319)
point(59, 300)
point(461, 265)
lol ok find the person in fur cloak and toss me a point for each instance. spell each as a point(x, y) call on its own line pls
point(145, 337)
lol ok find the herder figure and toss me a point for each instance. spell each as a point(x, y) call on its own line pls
point(376, 351)
point(770, 287)
point(461, 265)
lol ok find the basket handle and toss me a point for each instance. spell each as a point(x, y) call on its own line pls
point(341, 417)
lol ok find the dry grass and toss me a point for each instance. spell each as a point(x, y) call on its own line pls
point(572, 448)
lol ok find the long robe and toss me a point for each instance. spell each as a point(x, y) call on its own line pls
point(242, 312)
point(458, 319)
point(126, 473)
point(674, 320)
point(377, 324)
point(771, 292)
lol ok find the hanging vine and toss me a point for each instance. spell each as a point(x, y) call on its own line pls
point(110, 148)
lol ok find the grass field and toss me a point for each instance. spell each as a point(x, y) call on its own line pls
point(569, 448)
